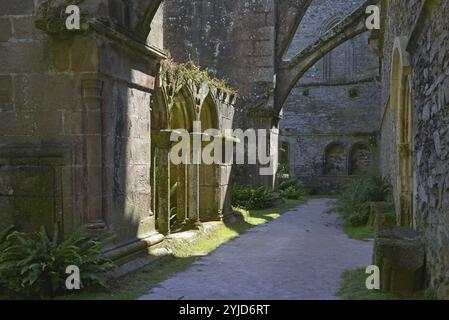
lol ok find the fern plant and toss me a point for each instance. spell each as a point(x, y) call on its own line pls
point(34, 265)
point(250, 198)
point(353, 202)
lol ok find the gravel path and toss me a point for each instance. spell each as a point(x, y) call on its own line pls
point(298, 256)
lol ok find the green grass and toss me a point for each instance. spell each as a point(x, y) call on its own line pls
point(359, 233)
point(184, 254)
point(353, 288)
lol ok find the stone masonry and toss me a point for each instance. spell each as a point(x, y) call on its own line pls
point(424, 29)
point(321, 109)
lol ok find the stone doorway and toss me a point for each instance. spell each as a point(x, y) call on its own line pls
point(402, 103)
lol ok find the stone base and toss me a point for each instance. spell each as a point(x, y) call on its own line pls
point(399, 254)
point(129, 252)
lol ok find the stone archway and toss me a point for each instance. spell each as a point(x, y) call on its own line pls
point(209, 187)
point(182, 116)
point(401, 104)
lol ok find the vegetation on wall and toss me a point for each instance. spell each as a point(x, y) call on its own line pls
point(353, 202)
point(34, 265)
point(181, 73)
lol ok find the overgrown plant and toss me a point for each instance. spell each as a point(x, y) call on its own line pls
point(352, 203)
point(251, 198)
point(181, 73)
point(289, 187)
point(34, 265)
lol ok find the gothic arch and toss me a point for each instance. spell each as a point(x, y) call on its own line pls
point(145, 11)
point(209, 187)
point(182, 110)
point(401, 104)
point(327, 59)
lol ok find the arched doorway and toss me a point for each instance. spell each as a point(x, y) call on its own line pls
point(401, 103)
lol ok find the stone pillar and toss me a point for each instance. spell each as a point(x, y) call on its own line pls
point(182, 194)
point(93, 131)
point(162, 190)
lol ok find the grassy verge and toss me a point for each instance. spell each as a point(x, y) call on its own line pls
point(353, 288)
point(359, 233)
point(140, 282)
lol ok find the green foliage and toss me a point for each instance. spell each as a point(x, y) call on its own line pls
point(283, 169)
point(249, 198)
point(361, 233)
point(353, 202)
point(290, 187)
point(180, 74)
point(34, 265)
point(353, 287)
point(292, 193)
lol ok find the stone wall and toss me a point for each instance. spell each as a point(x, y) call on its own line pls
point(235, 41)
point(75, 125)
point(335, 102)
point(427, 32)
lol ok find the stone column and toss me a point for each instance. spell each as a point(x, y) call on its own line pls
point(182, 194)
point(93, 131)
point(162, 190)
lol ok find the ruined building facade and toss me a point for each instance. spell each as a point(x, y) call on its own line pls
point(329, 127)
point(86, 120)
point(86, 116)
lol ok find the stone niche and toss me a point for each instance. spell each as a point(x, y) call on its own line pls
point(35, 188)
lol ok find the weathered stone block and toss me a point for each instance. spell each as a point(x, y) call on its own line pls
point(399, 254)
point(47, 92)
point(6, 103)
point(23, 57)
point(5, 29)
point(22, 7)
point(263, 48)
point(24, 28)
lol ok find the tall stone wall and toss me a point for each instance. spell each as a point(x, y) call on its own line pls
point(335, 102)
point(236, 42)
point(428, 47)
point(75, 125)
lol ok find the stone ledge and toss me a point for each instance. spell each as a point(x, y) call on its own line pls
point(133, 256)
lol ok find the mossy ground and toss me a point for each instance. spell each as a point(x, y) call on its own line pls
point(360, 232)
point(353, 288)
point(140, 282)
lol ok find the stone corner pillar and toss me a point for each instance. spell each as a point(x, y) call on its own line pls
point(92, 90)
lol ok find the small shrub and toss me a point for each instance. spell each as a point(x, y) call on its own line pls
point(290, 187)
point(251, 198)
point(33, 265)
point(292, 193)
point(353, 202)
